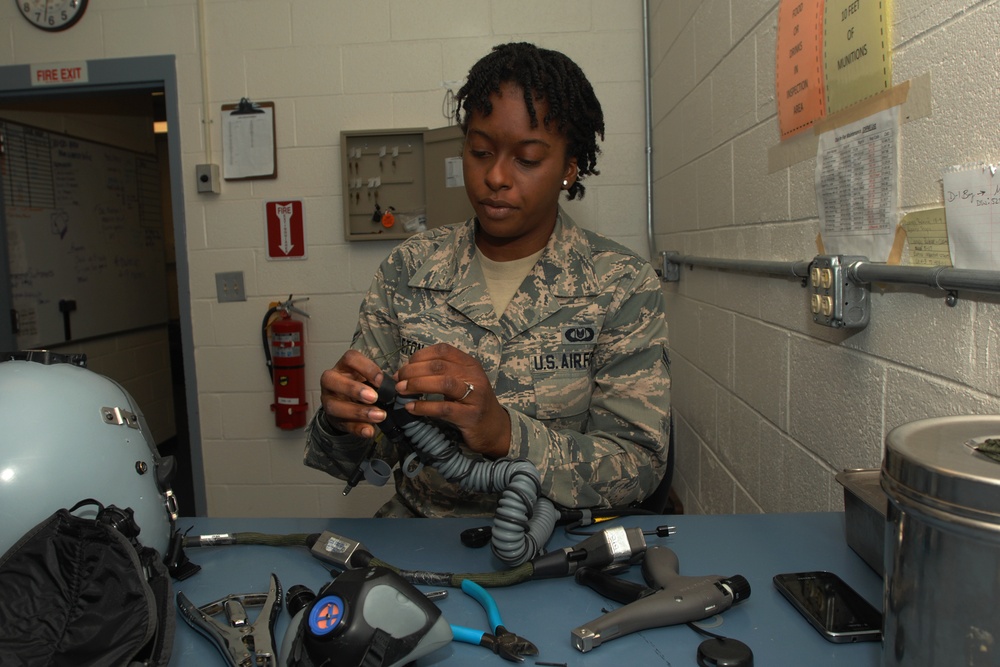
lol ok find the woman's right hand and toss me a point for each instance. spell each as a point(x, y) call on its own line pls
point(348, 397)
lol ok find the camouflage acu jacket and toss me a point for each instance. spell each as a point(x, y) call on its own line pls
point(579, 359)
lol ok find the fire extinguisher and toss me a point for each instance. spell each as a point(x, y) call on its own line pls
point(284, 350)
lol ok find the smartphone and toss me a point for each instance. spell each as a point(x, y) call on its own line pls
point(835, 609)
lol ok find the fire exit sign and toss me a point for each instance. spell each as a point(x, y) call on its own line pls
point(286, 233)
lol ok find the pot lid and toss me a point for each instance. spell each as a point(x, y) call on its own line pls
point(938, 462)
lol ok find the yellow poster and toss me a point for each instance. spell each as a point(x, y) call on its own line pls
point(857, 58)
point(799, 65)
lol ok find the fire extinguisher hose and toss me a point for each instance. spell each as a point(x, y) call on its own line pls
point(267, 345)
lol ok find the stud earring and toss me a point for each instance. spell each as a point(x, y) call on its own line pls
point(565, 183)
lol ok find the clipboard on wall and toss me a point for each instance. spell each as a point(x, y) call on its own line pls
point(248, 144)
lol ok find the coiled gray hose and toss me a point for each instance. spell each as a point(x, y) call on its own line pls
point(524, 519)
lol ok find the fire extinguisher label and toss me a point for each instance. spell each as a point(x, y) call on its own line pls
point(286, 352)
point(291, 337)
point(282, 400)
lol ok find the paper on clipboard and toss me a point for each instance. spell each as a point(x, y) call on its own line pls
point(248, 140)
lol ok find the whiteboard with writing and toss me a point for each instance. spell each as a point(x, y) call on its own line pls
point(84, 225)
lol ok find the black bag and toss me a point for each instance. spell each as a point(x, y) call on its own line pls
point(79, 592)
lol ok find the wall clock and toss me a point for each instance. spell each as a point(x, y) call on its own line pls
point(52, 15)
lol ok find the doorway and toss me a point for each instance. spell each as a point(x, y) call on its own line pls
point(132, 92)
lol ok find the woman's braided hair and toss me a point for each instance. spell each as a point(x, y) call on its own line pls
point(543, 75)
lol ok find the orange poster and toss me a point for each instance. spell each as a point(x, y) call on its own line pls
point(799, 71)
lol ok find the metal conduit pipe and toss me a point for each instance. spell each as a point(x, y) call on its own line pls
point(940, 277)
point(788, 269)
point(648, 76)
point(943, 278)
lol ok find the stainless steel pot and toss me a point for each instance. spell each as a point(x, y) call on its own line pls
point(942, 550)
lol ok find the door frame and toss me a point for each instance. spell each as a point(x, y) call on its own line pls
point(116, 74)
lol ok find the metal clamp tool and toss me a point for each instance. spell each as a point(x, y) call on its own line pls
point(242, 644)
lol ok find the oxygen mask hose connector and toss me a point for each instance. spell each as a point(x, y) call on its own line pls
point(607, 547)
point(375, 471)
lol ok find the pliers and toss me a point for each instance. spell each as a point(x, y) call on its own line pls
point(503, 642)
point(242, 644)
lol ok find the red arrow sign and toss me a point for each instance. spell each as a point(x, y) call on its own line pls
point(286, 235)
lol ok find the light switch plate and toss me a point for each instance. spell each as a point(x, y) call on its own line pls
point(229, 286)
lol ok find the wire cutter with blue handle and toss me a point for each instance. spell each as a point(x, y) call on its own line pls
point(503, 642)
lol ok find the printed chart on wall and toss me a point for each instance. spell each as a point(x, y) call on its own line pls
point(856, 176)
point(84, 224)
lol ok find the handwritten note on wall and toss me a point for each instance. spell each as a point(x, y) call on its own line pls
point(927, 237)
point(972, 207)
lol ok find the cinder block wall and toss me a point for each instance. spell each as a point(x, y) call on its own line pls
point(769, 406)
point(328, 65)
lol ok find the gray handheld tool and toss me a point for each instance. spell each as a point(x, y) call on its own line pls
point(669, 599)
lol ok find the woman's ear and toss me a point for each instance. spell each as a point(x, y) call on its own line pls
point(569, 176)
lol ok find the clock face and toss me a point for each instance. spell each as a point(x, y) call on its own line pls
point(52, 14)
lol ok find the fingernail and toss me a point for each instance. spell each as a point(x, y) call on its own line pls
point(368, 394)
point(376, 415)
point(401, 387)
point(367, 431)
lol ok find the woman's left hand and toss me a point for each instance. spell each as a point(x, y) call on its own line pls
point(469, 402)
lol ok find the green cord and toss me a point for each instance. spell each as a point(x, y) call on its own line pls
point(509, 577)
point(265, 539)
point(515, 575)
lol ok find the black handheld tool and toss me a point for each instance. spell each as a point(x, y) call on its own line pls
point(669, 599)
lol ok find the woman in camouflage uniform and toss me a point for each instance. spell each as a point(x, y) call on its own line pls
point(531, 337)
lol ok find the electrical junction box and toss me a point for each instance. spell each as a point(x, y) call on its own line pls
point(838, 301)
point(207, 176)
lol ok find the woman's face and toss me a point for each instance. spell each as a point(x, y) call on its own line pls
point(514, 174)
